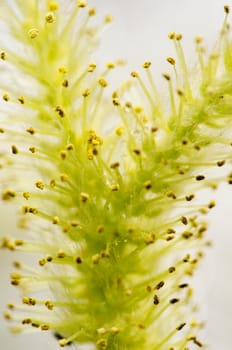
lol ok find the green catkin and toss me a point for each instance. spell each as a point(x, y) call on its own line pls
point(111, 214)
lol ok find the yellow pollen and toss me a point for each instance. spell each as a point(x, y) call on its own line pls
point(21, 99)
point(50, 18)
point(33, 33)
point(39, 184)
point(8, 194)
point(53, 6)
point(81, 3)
point(5, 97)
point(119, 131)
point(3, 55)
point(147, 64)
point(63, 69)
point(86, 93)
point(108, 19)
point(92, 11)
point(84, 197)
point(14, 149)
point(102, 82)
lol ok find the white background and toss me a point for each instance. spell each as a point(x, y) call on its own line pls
point(139, 33)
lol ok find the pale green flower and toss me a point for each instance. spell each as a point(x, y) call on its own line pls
point(107, 185)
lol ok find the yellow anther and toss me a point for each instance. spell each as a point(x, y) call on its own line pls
point(138, 109)
point(110, 65)
point(84, 197)
point(52, 183)
point(114, 187)
point(61, 254)
point(92, 11)
point(60, 111)
point(50, 18)
point(44, 327)
point(21, 99)
point(63, 342)
point(32, 149)
point(3, 55)
point(8, 194)
point(33, 33)
point(25, 300)
point(18, 242)
point(147, 64)
point(86, 92)
point(166, 76)
point(56, 220)
point(103, 82)
point(92, 67)
point(81, 3)
point(49, 305)
point(63, 69)
point(178, 37)
point(30, 130)
point(100, 228)
point(65, 83)
point(101, 330)
point(42, 262)
point(39, 184)
point(114, 330)
point(6, 97)
point(96, 258)
point(119, 131)
point(53, 6)
point(63, 154)
point(227, 9)
point(172, 35)
point(69, 147)
point(134, 74)
point(198, 39)
point(150, 239)
point(171, 61)
point(14, 149)
point(108, 19)
point(64, 177)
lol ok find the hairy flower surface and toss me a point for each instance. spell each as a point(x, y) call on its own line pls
point(107, 186)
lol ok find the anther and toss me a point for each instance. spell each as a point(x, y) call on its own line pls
point(39, 184)
point(114, 187)
point(184, 220)
point(147, 64)
point(65, 83)
point(96, 258)
point(92, 12)
point(181, 326)
point(183, 285)
point(55, 220)
point(147, 185)
point(8, 194)
point(84, 197)
point(63, 154)
point(114, 330)
point(101, 343)
point(220, 163)
point(78, 260)
point(60, 111)
point(14, 149)
point(171, 269)
point(5, 97)
point(200, 177)
point(81, 3)
point(150, 239)
point(102, 82)
point(156, 300)
point(21, 99)
point(53, 6)
point(44, 327)
point(50, 18)
point(33, 33)
point(114, 165)
point(166, 76)
point(226, 9)
point(171, 61)
point(189, 198)
point(174, 301)
point(134, 74)
point(32, 149)
point(30, 130)
point(159, 285)
point(3, 55)
point(61, 254)
point(86, 92)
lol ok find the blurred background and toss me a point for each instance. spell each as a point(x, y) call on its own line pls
point(139, 33)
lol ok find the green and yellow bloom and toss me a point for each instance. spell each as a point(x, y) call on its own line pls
point(106, 186)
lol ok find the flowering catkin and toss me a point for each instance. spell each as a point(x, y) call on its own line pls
point(107, 187)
